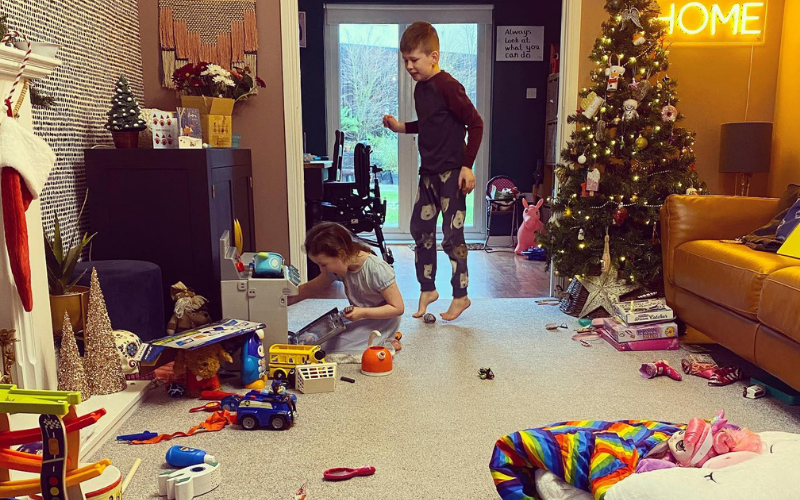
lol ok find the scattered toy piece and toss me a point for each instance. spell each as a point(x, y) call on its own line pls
point(658, 368)
point(131, 472)
point(429, 318)
point(142, 436)
point(555, 326)
point(342, 473)
point(548, 302)
point(486, 374)
point(754, 392)
point(725, 376)
point(301, 493)
point(348, 379)
point(585, 321)
point(396, 342)
point(189, 482)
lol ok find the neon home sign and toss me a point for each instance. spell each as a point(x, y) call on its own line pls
point(714, 22)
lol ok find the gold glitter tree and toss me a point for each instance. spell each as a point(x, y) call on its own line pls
point(101, 362)
point(71, 376)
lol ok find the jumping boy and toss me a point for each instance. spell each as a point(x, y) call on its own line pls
point(444, 116)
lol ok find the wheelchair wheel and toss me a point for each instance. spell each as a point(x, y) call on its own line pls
point(387, 256)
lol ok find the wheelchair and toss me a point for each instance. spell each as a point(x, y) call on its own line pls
point(355, 205)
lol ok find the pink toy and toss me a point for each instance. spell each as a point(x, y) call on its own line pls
point(702, 441)
point(531, 223)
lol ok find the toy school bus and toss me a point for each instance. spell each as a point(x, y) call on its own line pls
point(283, 358)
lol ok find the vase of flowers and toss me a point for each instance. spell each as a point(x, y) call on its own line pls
point(215, 90)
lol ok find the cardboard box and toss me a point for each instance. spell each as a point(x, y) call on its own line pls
point(623, 333)
point(666, 344)
point(643, 311)
point(215, 118)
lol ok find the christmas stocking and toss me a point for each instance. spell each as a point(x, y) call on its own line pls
point(25, 163)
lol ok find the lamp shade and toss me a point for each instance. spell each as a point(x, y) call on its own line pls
point(745, 147)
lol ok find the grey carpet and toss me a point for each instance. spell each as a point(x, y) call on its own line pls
point(429, 428)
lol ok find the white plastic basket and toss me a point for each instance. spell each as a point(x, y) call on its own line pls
point(319, 377)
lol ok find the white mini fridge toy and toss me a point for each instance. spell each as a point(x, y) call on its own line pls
point(256, 299)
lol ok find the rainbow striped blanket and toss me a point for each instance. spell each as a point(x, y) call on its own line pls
point(592, 455)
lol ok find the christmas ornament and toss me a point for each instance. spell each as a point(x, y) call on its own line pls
point(71, 376)
point(692, 191)
point(593, 181)
point(632, 15)
point(640, 89)
point(638, 39)
point(568, 212)
point(629, 110)
point(584, 192)
point(606, 289)
point(613, 73)
point(582, 159)
point(581, 235)
point(591, 104)
point(101, 361)
point(600, 134)
point(669, 113)
point(640, 143)
point(620, 215)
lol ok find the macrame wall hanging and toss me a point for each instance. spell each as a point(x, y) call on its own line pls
point(222, 32)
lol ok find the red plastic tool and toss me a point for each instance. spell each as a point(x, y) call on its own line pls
point(212, 406)
point(342, 473)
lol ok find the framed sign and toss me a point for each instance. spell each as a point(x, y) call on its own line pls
point(520, 43)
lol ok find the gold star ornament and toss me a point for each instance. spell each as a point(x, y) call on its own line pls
point(605, 289)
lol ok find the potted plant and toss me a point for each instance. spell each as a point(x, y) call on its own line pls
point(214, 91)
point(124, 118)
point(65, 295)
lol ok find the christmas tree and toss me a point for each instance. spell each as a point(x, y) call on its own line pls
point(124, 115)
point(101, 362)
point(625, 156)
point(71, 376)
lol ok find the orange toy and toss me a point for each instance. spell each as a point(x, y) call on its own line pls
point(376, 360)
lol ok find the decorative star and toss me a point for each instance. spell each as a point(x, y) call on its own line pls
point(604, 290)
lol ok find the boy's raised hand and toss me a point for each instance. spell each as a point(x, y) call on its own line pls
point(466, 180)
point(392, 124)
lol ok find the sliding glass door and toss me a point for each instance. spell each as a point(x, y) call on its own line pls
point(366, 80)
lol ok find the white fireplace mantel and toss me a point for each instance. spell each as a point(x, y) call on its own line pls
point(35, 366)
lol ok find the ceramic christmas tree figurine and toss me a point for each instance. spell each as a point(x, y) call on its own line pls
point(626, 155)
point(71, 376)
point(101, 361)
point(124, 117)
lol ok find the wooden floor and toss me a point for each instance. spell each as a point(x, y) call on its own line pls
point(491, 275)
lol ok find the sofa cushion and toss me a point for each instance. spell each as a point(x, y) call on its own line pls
point(780, 299)
point(725, 273)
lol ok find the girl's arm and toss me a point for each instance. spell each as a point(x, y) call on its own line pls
point(311, 288)
point(394, 306)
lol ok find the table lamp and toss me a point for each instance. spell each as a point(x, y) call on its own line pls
point(745, 148)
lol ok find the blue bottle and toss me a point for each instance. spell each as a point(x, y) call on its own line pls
point(183, 456)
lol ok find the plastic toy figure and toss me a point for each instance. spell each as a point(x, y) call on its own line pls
point(254, 365)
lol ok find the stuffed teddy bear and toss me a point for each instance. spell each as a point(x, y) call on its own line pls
point(201, 367)
point(191, 310)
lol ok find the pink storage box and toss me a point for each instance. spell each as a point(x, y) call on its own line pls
point(667, 344)
point(621, 332)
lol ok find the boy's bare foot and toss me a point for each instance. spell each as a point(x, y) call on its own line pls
point(458, 306)
point(425, 299)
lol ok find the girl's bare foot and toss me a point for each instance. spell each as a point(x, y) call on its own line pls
point(425, 299)
point(456, 308)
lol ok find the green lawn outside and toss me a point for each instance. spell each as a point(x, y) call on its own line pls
point(389, 193)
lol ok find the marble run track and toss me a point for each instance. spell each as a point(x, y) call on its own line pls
point(58, 467)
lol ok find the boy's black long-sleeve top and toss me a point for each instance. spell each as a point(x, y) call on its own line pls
point(444, 115)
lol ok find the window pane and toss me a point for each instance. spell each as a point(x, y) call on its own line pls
point(368, 55)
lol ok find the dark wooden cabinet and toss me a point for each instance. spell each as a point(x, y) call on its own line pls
point(170, 207)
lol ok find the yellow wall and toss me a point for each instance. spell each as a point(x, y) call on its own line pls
point(712, 86)
point(786, 132)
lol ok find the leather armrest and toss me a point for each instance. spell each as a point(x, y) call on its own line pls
point(689, 218)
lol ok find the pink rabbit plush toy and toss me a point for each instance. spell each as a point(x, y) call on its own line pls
point(531, 223)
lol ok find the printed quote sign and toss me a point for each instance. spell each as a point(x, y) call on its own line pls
point(520, 43)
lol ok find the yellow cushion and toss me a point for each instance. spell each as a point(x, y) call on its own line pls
point(780, 302)
point(725, 273)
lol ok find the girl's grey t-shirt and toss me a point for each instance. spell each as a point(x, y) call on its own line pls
point(364, 286)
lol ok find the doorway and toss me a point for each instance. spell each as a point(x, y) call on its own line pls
point(365, 79)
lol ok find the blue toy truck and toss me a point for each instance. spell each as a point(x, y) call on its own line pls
point(258, 409)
